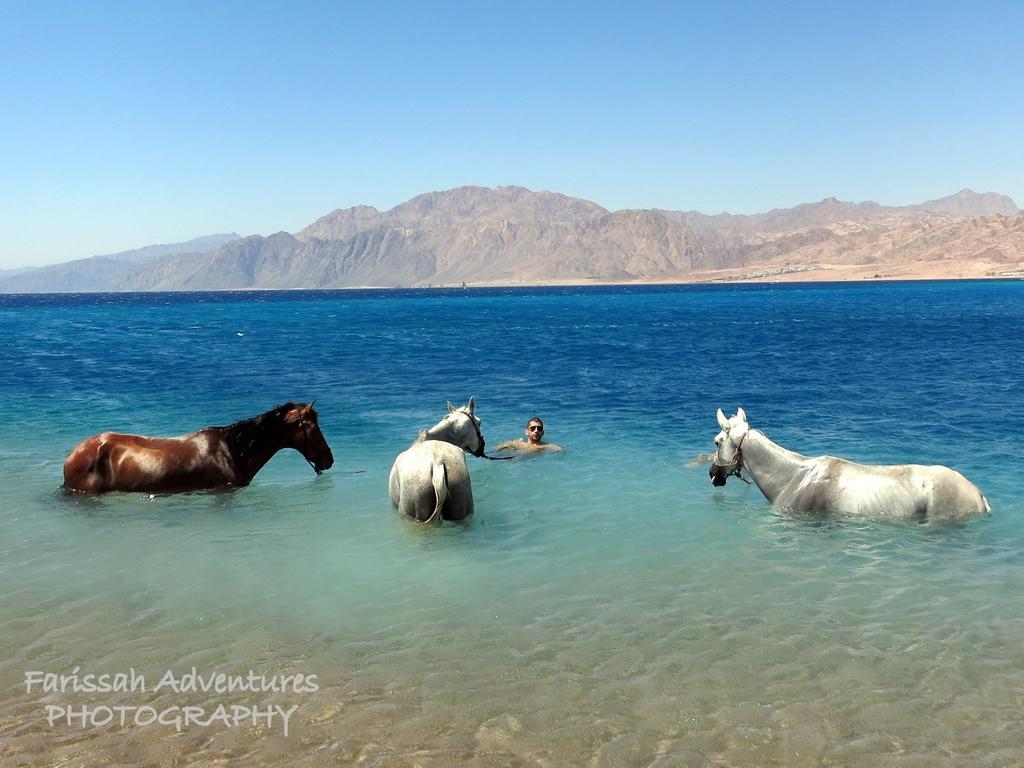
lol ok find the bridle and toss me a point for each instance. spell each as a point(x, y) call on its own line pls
point(479, 452)
point(736, 464)
point(306, 427)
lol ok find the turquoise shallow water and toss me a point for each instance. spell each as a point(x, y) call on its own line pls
point(605, 606)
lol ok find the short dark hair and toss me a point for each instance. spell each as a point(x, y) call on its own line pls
point(535, 418)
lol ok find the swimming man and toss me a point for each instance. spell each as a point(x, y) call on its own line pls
point(534, 442)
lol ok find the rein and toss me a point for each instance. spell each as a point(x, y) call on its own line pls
point(481, 441)
point(480, 437)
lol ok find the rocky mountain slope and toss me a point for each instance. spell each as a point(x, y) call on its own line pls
point(101, 273)
point(511, 235)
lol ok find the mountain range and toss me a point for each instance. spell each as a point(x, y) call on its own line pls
point(102, 273)
point(512, 235)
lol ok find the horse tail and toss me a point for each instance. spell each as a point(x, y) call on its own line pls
point(437, 477)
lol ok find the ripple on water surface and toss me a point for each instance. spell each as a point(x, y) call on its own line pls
point(605, 606)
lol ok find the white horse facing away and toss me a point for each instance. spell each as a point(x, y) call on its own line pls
point(797, 483)
point(429, 481)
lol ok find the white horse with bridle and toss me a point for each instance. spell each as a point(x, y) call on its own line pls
point(797, 483)
point(430, 481)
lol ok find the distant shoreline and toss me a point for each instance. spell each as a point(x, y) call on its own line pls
point(818, 274)
point(854, 274)
point(814, 273)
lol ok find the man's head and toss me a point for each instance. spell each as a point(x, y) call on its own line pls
point(534, 430)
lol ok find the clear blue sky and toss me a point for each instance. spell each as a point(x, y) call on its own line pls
point(145, 122)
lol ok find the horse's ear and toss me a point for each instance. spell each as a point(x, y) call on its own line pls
point(451, 408)
point(722, 421)
point(741, 415)
point(472, 405)
point(306, 411)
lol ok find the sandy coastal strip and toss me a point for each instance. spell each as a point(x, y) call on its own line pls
point(811, 273)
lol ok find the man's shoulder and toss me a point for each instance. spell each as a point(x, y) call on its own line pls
point(510, 445)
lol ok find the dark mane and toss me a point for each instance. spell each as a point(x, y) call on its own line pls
point(243, 435)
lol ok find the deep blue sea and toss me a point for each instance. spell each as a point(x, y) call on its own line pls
point(604, 607)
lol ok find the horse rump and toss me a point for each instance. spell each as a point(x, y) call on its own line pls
point(88, 468)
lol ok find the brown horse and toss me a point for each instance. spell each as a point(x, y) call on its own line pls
point(214, 457)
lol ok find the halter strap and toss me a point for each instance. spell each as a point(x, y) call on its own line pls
point(737, 460)
point(480, 439)
point(479, 436)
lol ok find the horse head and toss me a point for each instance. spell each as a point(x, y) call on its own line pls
point(728, 459)
point(304, 435)
point(461, 428)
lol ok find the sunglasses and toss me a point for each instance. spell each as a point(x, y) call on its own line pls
point(536, 428)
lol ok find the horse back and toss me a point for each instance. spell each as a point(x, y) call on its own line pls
point(111, 461)
point(909, 491)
